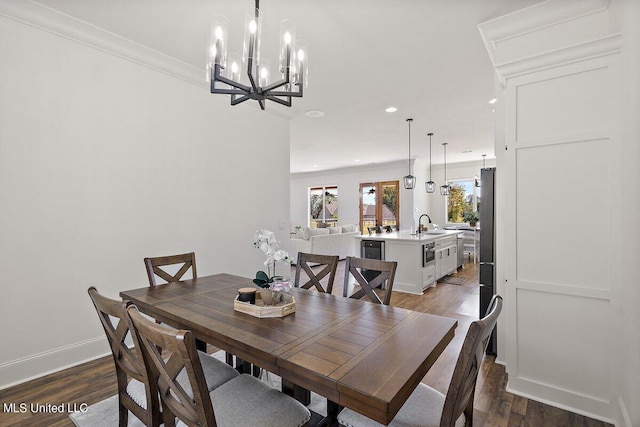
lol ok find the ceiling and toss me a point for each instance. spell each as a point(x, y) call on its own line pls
point(425, 57)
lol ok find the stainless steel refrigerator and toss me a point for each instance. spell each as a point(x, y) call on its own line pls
point(487, 246)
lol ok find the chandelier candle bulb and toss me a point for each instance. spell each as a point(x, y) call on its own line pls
point(253, 29)
point(234, 67)
point(287, 45)
point(301, 64)
point(217, 52)
point(263, 75)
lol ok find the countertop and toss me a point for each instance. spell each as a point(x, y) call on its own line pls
point(406, 236)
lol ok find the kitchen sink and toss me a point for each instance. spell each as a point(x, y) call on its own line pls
point(436, 232)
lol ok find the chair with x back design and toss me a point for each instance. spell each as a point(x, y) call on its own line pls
point(241, 401)
point(330, 263)
point(385, 278)
point(154, 269)
point(135, 392)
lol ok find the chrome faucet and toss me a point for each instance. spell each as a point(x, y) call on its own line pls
point(420, 223)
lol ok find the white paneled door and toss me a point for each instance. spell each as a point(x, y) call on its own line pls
point(561, 184)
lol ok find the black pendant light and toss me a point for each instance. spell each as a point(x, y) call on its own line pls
point(476, 179)
point(444, 189)
point(409, 180)
point(430, 186)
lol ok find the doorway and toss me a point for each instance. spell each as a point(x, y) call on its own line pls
point(379, 205)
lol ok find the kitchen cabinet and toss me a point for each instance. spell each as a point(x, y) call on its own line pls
point(414, 275)
point(446, 256)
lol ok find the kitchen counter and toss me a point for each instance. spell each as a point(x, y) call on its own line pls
point(413, 274)
point(406, 236)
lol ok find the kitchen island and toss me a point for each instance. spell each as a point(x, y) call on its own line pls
point(422, 259)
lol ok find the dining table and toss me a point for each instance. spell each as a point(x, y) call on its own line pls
point(357, 354)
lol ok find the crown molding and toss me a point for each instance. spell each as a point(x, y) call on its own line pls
point(44, 18)
point(580, 52)
point(506, 37)
point(534, 18)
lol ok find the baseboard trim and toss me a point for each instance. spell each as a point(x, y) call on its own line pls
point(37, 365)
point(578, 403)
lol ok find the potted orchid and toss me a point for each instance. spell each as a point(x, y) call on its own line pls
point(266, 241)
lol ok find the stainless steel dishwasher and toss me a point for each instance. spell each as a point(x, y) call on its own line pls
point(372, 249)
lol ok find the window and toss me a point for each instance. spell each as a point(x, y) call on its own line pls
point(463, 199)
point(323, 207)
point(379, 204)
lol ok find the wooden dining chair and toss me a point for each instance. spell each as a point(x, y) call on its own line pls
point(136, 394)
point(243, 401)
point(427, 407)
point(361, 269)
point(330, 264)
point(184, 261)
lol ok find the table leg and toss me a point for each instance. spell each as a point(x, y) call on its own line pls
point(333, 409)
point(301, 394)
point(243, 366)
point(201, 345)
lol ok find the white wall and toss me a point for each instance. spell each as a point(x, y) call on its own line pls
point(629, 348)
point(103, 162)
point(348, 181)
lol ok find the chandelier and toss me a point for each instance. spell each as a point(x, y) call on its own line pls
point(224, 73)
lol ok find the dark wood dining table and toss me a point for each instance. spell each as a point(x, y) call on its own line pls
point(357, 354)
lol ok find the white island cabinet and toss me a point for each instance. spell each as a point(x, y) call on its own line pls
point(413, 274)
point(446, 256)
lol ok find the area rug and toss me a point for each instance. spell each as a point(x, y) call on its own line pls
point(453, 280)
point(105, 412)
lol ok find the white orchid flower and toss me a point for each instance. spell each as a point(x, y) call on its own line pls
point(266, 241)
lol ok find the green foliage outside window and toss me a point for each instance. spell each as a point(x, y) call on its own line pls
point(457, 203)
point(390, 197)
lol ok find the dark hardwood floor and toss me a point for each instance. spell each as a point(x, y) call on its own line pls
point(494, 407)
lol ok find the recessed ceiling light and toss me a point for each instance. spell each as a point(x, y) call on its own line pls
point(391, 109)
point(466, 151)
point(314, 114)
point(315, 166)
point(493, 101)
point(356, 160)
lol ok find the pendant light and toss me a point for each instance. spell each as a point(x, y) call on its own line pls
point(409, 180)
point(430, 186)
point(444, 189)
point(476, 179)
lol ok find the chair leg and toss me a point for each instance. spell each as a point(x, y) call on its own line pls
point(256, 371)
point(468, 411)
point(228, 358)
point(123, 415)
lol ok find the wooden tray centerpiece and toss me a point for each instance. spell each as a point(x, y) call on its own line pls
point(285, 307)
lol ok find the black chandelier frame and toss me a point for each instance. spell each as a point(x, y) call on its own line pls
point(241, 92)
